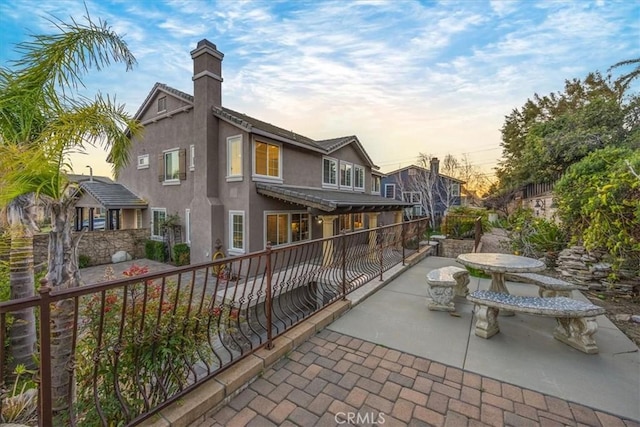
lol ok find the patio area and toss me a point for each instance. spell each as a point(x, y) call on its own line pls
point(390, 359)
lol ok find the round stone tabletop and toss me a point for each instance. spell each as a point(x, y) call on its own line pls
point(501, 263)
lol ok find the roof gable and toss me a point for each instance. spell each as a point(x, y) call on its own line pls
point(157, 89)
point(405, 169)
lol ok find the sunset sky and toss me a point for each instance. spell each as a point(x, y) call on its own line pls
point(406, 77)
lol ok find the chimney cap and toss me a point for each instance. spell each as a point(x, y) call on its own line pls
point(205, 45)
point(205, 42)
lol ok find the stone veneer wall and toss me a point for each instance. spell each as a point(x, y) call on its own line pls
point(99, 245)
point(577, 265)
point(451, 248)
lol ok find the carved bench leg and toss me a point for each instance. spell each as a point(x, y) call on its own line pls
point(578, 333)
point(440, 298)
point(462, 285)
point(487, 321)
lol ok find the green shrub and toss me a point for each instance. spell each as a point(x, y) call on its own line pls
point(154, 250)
point(157, 354)
point(181, 254)
point(534, 237)
point(84, 261)
point(599, 202)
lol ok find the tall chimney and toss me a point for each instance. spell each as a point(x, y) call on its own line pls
point(207, 95)
point(435, 166)
point(207, 70)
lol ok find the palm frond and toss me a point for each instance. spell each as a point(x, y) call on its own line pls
point(625, 80)
point(63, 58)
point(101, 123)
point(28, 170)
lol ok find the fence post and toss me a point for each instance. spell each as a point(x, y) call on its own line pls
point(381, 248)
point(344, 264)
point(3, 388)
point(403, 237)
point(46, 404)
point(268, 298)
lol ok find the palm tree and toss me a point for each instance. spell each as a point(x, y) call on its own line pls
point(20, 215)
point(625, 80)
point(42, 121)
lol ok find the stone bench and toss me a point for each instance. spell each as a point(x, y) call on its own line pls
point(576, 320)
point(549, 286)
point(443, 284)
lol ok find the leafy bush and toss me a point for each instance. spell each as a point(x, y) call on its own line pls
point(181, 254)
point(534, 237)
point(143, 342)
point(84, 261)
point(599, 201)
point(21, 405)
point(154, 250)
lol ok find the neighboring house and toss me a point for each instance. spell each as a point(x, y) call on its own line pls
point(429, 192)
point(539, 198)
point(105, 205)
point(237, 182)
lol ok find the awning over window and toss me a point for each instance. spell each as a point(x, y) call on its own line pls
point(319, 200)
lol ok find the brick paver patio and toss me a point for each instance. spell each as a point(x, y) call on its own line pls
point(334, 379)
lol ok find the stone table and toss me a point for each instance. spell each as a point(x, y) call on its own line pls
point(497, 265)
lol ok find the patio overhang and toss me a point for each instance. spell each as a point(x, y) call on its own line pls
point(320, 201)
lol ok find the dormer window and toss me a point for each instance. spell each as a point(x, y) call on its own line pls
point(162, 104)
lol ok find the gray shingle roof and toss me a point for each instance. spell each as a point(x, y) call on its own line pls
point(113, 196)
point(330, 200)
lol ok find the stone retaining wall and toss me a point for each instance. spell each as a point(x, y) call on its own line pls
point(99, 245)
point(451, 248)
point(577, 265)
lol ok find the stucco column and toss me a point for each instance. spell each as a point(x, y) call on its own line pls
point(327, 245)
point(373, 241)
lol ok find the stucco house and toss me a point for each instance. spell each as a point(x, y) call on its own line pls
point(237, 182)
point(416, 185)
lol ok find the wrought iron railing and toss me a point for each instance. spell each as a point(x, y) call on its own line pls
point(131, 346)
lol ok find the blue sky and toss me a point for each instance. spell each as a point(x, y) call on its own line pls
point(406, 77)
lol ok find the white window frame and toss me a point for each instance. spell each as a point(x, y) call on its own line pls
point(414, 197)
point(393, 186)
point(234, 249)
point(192, 157)
point(164, 159)
point(329, 184)
point(143, 161)
point(153, 211)
point(376, 183)
point(289, 221)
point(187, 226)
point(358, 171)
point(162, 104)
point(455, 189)
point(238, 175)
point(348, 177)
point(258, 177)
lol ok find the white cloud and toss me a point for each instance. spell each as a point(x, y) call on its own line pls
point(405, 76)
